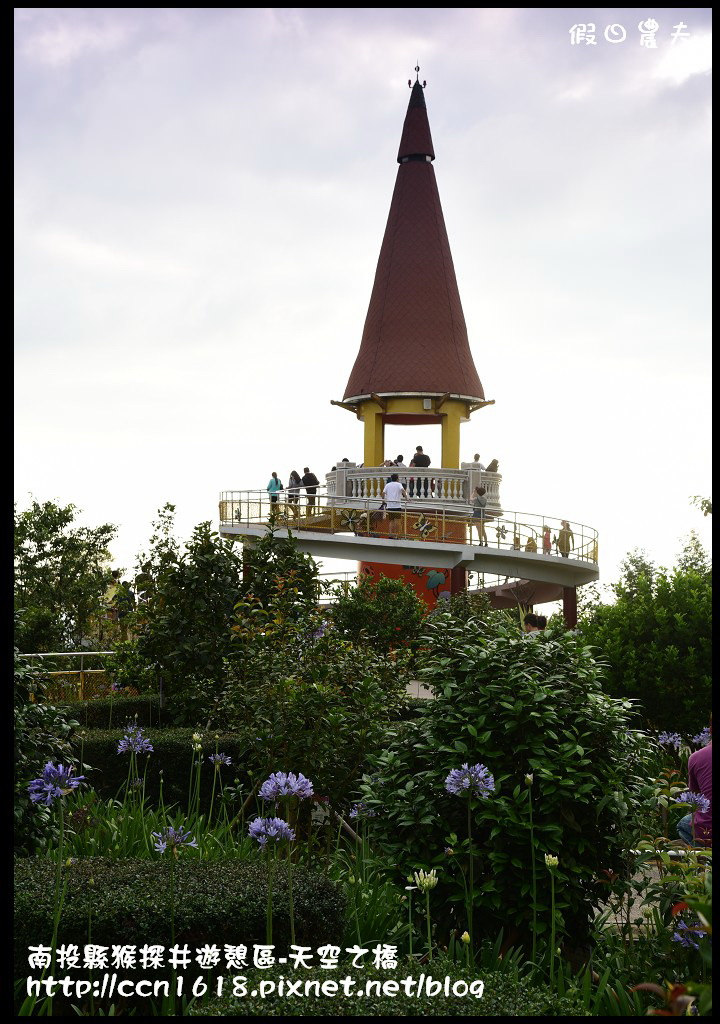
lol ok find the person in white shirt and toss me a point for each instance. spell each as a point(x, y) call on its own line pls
point(393, 495)
point(477, 462)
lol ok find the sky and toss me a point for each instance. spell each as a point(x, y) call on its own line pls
point(200, 199)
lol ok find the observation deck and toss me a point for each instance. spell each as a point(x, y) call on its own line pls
point(344, 520)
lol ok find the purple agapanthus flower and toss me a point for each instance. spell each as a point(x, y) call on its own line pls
point(475, 781)
point(56, 782)
point(274, 829)
point(134, 742)
point(283, 784)
point(684, 933)
point(219, 759)
point(172, 839)
point(695, 801)
point(703, 737)
point(361, 810)
point(670, 739)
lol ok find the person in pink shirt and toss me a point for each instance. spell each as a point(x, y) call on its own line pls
point(696, 828)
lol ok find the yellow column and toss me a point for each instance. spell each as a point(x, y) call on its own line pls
point(452, 413)
point(374, 435)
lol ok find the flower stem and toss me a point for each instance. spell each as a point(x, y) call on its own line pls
point(410, 924)
point(172, 900)
point(268, 919)
point(552, 927)
point(471, 894)
point(534, 877)
point(427, 915)
point(290, 896)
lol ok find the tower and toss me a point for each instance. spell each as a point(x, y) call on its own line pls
point(414, 365)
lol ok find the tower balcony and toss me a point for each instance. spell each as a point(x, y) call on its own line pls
point(353, 486)
point(430, 531)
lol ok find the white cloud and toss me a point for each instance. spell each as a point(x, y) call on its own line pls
point(66, 41)
point(686, 58)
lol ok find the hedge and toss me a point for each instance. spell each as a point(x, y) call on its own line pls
point(215, 902)
point(109, 712)
point(503, 996)
point(106, 770)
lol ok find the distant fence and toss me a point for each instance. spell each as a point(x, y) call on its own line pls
point(82, 682)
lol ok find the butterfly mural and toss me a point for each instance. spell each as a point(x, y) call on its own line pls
point(351, 519)
point(424, 526)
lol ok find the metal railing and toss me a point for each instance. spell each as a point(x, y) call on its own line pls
point(451, 486)
point(76, 683)
point(420, 520)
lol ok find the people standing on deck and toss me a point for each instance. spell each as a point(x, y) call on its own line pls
point(546, 541)
point(477, 464)
point(274, 487)
point(294, 485)
point(422, 460)
point(310, 482)
point(479, 505)
point(531, 544)
point(393, 495)
point(566, 539)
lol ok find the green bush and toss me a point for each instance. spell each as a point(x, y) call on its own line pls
point(215, 902)
point(656, 639)
point(503, 996)
point(42, 733)
point(317, 706)
point(385, 613)
point(114, 711)
point(168, 765)
point(183, 629)
point(519, 707)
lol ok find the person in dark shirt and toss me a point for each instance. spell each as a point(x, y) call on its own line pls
point(310, 482)
point(421, 459)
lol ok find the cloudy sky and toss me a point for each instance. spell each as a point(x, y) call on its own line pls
point(201, 195)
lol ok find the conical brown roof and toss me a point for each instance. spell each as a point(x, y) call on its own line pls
point(415, 339)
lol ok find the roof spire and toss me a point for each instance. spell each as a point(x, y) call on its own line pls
point(417, 77)
point(415, 340)
point(416, 141)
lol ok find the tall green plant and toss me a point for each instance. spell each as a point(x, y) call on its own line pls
point(61, 574)
point(385, 613)
point(520, 708)
point(656, 640)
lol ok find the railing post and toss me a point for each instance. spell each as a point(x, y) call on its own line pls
point(82, 677)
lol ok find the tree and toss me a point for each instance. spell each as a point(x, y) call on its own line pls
point(184, 627)
point(693, 555)
point(385, 614)
point(704, 504)
point(656, 639)
point(272, 560)
point(61, 573)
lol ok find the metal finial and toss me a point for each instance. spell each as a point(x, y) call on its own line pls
point(417, 71)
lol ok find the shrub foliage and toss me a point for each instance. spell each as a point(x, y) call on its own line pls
point(520, 707)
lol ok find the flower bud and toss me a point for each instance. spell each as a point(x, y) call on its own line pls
point(551, 861)
point(465, 937)
point(529, 779)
